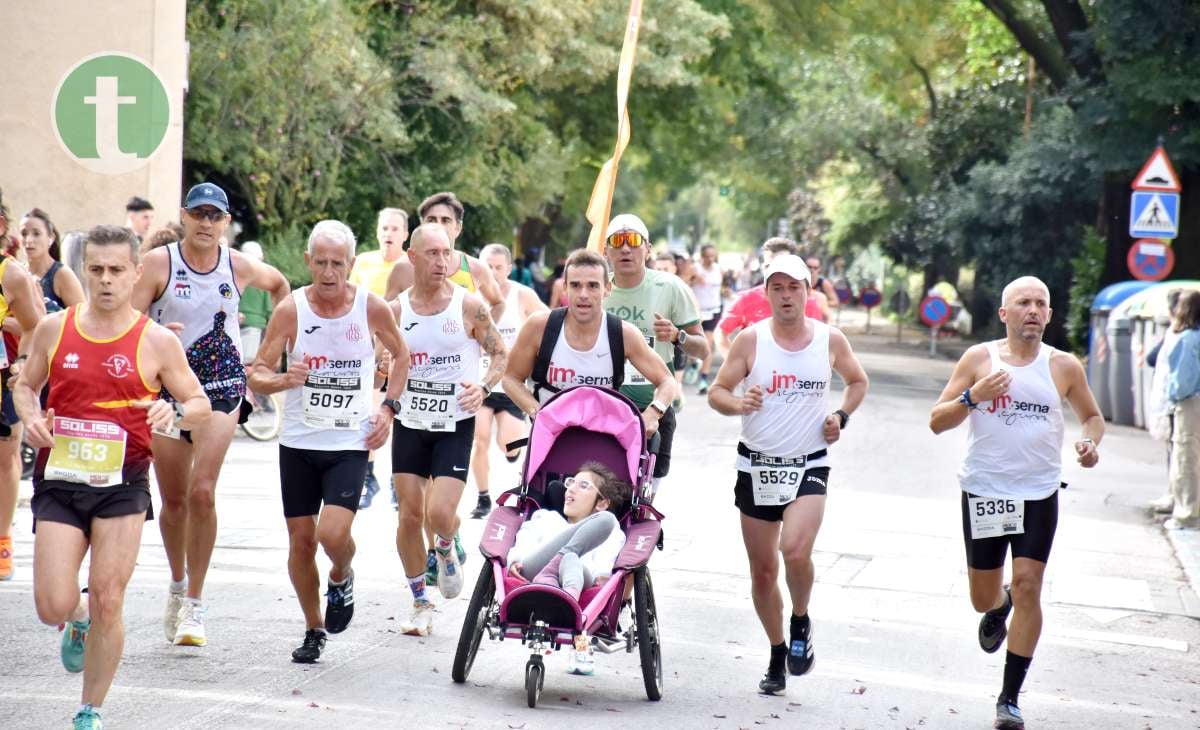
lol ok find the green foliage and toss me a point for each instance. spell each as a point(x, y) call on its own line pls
point(1087, 267)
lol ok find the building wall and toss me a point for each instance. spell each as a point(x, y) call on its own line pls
point(43, 40)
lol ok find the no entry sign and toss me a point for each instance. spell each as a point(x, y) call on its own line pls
point(870, 297)
point(935, 311)
point(1150, 259)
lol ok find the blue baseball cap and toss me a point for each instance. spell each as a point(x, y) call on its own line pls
point(207, 193)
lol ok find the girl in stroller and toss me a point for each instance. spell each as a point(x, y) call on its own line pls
point(576, 549)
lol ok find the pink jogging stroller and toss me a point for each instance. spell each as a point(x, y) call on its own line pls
point(577, 425)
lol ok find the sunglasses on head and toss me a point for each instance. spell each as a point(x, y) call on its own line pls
point(212, 214)
point(620, 239)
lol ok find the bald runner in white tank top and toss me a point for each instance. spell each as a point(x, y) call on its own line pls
point(442, 356)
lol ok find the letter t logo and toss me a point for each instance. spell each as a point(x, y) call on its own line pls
point(107, 102)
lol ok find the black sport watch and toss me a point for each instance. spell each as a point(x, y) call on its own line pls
point(394, 404)
point(845, 417)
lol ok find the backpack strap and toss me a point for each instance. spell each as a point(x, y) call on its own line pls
point(616, 346)
point(541, 364)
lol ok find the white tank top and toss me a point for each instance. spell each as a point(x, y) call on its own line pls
point(708, 292)
point(332, 410)
point(206, 304)
point(569, 366)
point(441, 358)
point(1014, 443)
point(508, 326)
point(795, 387)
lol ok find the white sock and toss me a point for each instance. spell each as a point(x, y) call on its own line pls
point(178, 586)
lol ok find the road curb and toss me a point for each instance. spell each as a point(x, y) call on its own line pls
point(1187, 550)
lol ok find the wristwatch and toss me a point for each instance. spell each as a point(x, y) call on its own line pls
point(845, 417)
point(487, 389)
point(178, 410)
point(660, 407)
point(393, 403)
point(681, 338)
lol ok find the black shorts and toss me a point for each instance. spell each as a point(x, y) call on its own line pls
point(498, 402)
point(8, 410)
point(224, 405)
point(814, 482)
point(78, 507)
point(433, 454)
point(308, 477)
point(1041, 522)
point(666, 430)
point(710, 324)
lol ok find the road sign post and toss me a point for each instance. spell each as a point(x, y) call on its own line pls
point(935, 312)
point(900, 302)
point(870, 298)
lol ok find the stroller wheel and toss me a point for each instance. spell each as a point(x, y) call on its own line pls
point(649, 645)
point(535, 675)
point(482, 600)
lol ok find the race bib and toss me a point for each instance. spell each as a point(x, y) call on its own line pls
point(429, 406)
point(633, 376)
point(86, 452)
point(171, 432)
point(775, 480)
point(334, 402)
point(992, 517)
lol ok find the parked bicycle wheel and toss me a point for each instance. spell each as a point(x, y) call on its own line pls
point(266, 420)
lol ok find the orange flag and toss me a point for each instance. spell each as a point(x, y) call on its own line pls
point(600, 205)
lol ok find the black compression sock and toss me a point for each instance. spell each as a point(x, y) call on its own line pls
point(800, 625)
point(1015, 668)
point(778, 656)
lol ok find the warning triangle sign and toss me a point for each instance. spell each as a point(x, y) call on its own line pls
point(1154, 217)
point(1157, 174)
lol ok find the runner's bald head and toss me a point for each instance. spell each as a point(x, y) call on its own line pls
point(425, 233)
point(1020, 283)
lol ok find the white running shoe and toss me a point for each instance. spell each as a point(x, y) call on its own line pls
point(420, 622)
point(171, 615)
point(450, 579)
point(191, 625)
point(581, 660)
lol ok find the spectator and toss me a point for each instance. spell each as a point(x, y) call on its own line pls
point(254, 309)
point(1183, 387)
point(139, 216)
point(1162, 418)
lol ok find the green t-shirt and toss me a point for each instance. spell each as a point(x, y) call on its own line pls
point(660, 293)
point(255, 307)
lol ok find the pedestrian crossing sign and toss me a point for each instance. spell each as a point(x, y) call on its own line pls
point(1154, 215)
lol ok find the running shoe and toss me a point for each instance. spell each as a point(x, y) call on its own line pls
point(420, 621)
point(431, 569)
point(450, 579)
point(87, 719)
point(1177, 524)
point(6, 558)
point(74, 637)
point(482, 508)
point(800, 656)
point(310, 651)
point(171, 615)
point(370, 489)
point(459, 551)
point(191, 625)
point(992, 628)
point(773, 684)
point(339, 605)
point(703, 389)
point(1163, 505)
point(581, 661)
point(691, 373)
point(1008, 717)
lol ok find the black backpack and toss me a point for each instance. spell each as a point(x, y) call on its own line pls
point(554, 325)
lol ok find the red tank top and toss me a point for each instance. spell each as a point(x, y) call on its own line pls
point(98, 380)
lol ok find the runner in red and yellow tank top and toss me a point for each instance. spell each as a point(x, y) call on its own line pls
point(105, 363)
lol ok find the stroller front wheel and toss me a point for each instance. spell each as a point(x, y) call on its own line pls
point(474, 623)
point(648, 640)
point(535, 675)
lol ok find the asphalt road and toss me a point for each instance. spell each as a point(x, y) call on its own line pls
point(894, 631)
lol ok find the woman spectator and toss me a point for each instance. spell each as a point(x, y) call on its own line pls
point(60, 286)
point(1183, 387)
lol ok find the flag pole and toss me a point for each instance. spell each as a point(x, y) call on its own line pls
point(600, 205)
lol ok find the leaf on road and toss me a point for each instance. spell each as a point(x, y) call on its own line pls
point(720, 717)
point(295, 692)
point(313, 704)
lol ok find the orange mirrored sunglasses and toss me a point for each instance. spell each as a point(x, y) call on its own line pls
point(633, 239)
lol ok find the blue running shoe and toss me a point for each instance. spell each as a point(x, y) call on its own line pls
point(370, 489)
point(458, 550)
point(87, 719)
point(74, 637)
point(431, 570)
